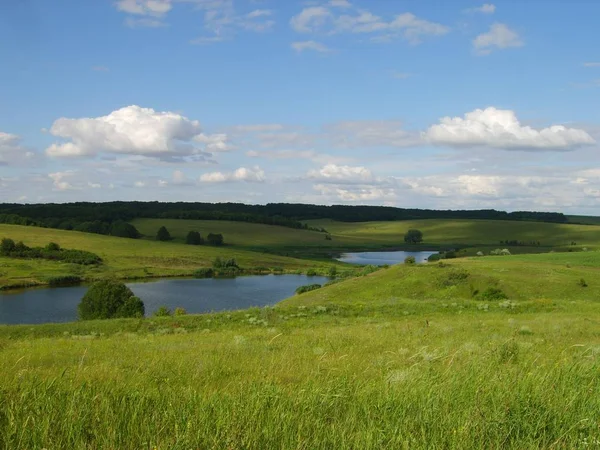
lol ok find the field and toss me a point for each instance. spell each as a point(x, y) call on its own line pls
point(405, 357)
point(374, 362)
point(125, 258)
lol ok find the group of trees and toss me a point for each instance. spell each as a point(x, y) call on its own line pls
point(110, 300)
point(516, 243)
point(52, 251)
point(192, 238)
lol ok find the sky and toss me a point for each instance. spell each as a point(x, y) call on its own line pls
point(421, 103)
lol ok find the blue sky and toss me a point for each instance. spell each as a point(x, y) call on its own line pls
point(438, 104)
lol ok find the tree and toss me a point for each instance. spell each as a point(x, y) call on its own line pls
point(108, 300)
point(410, 260)
point(413, 236)
point(123, 229)
point(52, 247)
point(194, 238)
point(163, 234)
point(7, 246)
point(214, 239)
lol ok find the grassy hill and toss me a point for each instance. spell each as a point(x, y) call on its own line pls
point(396, 359)
point(469, 232)
point(124, 258)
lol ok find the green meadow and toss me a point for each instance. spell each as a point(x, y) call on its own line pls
point(406, 357)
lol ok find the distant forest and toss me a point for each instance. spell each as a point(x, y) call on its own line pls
point(111, 217)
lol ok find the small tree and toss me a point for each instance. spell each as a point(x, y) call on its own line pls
point(163, 234)
point(215, 239)
point(194, 238)
point(108, 300)
point(7, 246)
point(413, 236)
point(121, 228)
point(52, 247)
point(410, 260)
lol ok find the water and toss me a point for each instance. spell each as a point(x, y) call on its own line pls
point(196, 296)
point(382, 258)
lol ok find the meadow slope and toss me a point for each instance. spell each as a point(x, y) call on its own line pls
point(125, 258)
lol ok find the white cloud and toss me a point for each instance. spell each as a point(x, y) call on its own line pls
point(371, 133)
point(310, 45)
point(134, 130)
point(498, 128)
point(325, 19)
point(155, 8)
point(591, 64)
point(12, 151)
point(258, 128)
point(332, 173)
point(139, 184)
point(59, 182)
point(486, 8)
point(500, 36)
point(252, 175)
point(364, 193)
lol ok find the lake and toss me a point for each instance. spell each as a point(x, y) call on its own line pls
point(383, 258)
point(195, 295)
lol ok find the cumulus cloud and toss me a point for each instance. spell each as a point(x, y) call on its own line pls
point(134, 130)
point(362, 194)
point(591, 64)
point(497, 128)
point(252, 175)
point(500, 36)
point(342, 17)
point(59, 180)
point(310, 45)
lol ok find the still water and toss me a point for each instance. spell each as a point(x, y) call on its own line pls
point(196, 296)
point(382, 258)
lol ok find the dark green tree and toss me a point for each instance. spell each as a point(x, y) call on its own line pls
point(215, 239)
point(123, 229)
point(7, 246)
point(413, 236)
point(163, 234)
point(108, 300)
point(52, 247)
point(194, 238)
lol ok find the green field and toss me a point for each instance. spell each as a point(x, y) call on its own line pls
point(125, 258)
point(405, 357)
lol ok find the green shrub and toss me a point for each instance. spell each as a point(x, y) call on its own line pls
point(204, 272)
point(492, 293)
point(163, 234)
point(109, 299)
point(163, 311)
point(277, 269)
point(194, 238)
point(7, 247)
point(123, 229)
point(332, 272)
point(434, 257)
point(52, 247)
point(215, 239)
point(410, 260)
point(450, 255)
point(311, 273)
point(180, 312)
point(64, 280)
point(308, 288)
point(583, 283)
point(220, 263)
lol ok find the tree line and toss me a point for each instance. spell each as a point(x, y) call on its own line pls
point(111, 217)
point(52, 251)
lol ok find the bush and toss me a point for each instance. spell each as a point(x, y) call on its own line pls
point(163, 311)
point(434, 257)
point(163, 234)
point(180, 312)
point(219, 263)
point(109, 299)
point(410, 260)
point(332, 272)
point(493, 293)
point(52, 247)
point(215, 239)
point(64, 280)
point(449, 255)
point(204, 272)
point(311, 273)
point(194, 238)
point(413, 237)
point(308, 288)
point(7, 246)
point(583, 283)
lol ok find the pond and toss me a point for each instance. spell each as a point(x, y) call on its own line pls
point(195, 295)
point(383, 258)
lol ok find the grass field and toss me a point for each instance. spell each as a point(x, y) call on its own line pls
point(125, 258)
point(406, 357)
point(465, 232)
point(362, 374)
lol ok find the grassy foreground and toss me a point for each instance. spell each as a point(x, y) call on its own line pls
point(396, 359)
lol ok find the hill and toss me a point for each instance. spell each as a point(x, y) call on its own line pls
point(125, 258)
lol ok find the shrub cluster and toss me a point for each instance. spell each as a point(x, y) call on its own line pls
point(52, 252)
point(194, 238)
point(308, 288)
point(64, 280)
point(109, 300)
